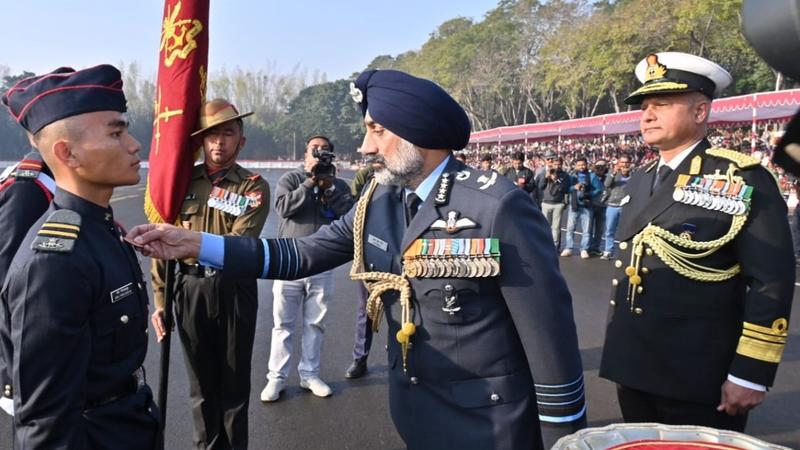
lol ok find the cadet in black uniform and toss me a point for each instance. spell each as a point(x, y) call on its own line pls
point(701, 300)
point(26, 189)
point(481, 338)
point(75, 290)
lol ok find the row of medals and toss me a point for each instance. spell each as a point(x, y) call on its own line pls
point(714, 194)
point(452, 258)
point(227, 201)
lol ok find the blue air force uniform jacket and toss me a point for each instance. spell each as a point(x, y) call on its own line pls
point(78, 327)
point(25, 194)
point(488, 374)
point(680, 337)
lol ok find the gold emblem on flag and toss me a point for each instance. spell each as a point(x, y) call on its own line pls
point(178, 36)
point(164, 115)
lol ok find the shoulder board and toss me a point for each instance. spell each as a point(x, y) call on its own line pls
point(58, 233)
point(30, 166)
point(741, 160)
point(254, 177)
point(650, 167)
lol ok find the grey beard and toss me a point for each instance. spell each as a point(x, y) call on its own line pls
point(405, 165)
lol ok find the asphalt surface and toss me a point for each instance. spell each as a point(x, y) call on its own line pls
point(357, 415)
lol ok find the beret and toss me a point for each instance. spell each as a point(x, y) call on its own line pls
point(38, 101)
point(416, 109)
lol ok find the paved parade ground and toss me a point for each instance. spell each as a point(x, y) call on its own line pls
point(357, 417)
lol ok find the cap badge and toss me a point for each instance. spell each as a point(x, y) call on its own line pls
point(356, 93)
point(655, 70)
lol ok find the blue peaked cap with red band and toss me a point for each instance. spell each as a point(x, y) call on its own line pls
point(416, 109)
point(38, 101)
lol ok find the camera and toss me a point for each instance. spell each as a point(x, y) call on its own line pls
point(324, 167)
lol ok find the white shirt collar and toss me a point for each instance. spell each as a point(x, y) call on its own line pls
point(677, 160)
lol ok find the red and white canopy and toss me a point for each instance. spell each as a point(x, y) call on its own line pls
point(743, 109)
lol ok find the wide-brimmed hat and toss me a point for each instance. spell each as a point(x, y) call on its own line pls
point(216, 112)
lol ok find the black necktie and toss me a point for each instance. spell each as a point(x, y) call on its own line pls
point(663, 173)
point(412, 205)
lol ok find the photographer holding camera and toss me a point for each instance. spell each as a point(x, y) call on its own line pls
point(553, 186)
point(306, 199)
point(584, 186)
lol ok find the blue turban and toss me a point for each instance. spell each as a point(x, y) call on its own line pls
point(415, 109)
point(38, 101)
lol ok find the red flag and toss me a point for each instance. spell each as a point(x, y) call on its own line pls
point(180, 91)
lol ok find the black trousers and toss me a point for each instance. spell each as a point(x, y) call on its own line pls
point(638, 406)
point(216, 321)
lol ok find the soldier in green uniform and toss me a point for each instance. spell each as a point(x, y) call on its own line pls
point(702, 294)
point(216, 314)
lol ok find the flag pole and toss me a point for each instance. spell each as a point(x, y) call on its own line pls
point(163, 376)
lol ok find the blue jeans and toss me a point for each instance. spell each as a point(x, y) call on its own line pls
point(612, 221)
point(584, 215)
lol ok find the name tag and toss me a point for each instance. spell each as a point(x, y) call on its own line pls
point(378, 242)
point(120, 293)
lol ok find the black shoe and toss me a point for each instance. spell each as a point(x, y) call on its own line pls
point(357, 368)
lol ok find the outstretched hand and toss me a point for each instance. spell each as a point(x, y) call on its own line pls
point(164, 241)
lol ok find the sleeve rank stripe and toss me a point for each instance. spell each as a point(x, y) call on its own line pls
point(760, 350)
point(63, 226)
point(296, 257)
point(555, 386)
point(779, 328)
point(57, 233)
point(266, 248)
point(579, 389)
point(764, 337)
point(563, 419)
point(570, 402)
point(280, 257)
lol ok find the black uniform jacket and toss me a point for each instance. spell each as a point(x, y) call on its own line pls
point(24, 196)
point(686, 336)
point(470, 379)
point(78, 327)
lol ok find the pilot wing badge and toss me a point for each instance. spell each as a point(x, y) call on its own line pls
point(453, 224)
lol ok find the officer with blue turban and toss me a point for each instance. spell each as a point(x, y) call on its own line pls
point(482, 345)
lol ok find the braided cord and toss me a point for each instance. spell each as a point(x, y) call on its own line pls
point(378, 283)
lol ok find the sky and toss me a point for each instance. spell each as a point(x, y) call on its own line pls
point(335, 37)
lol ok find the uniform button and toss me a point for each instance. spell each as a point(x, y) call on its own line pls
point(139, 285)
point(124, 319)
point(494, 397)
point(414, 380)
point(449, 288)
point(617, 264)
point(614, 282)
point(410, 345)
point(638, 311)
point(623, 245)
point(371, 267)
point(147, 331)
point(613, 303)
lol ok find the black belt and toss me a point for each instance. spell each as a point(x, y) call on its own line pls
point(196, 270)
point(129, 387)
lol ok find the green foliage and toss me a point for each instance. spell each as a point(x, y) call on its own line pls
point(524, 61)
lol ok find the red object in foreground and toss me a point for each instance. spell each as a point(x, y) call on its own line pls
point(180, 90)
point(673, 445)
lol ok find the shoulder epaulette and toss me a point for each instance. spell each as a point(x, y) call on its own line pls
point(741, 160)
point(650, 167)
point(30, 166)
point(59, 232)
point(254, 177)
